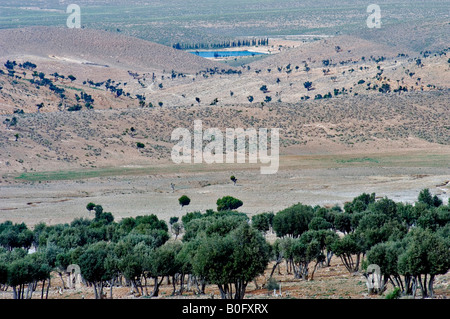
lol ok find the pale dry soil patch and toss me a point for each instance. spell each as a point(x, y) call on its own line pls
point(312, 180)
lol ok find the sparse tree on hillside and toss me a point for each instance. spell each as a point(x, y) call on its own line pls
point(184, 201)
point(90, 207)
point(40, 106)
point(308, 85)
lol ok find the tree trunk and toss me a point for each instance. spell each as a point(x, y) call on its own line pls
point(95, 291)
point(48, 287)
point(223, 292)
point(62, 280)
point(155, 292)
point(102, 296)
point(278, 261)
point(111, 288)
point(42, 291)
point(414, 286)
point(329, 257)
point(181, 283)
point(174, 284)
point(240, 287)
point(430, 286)
point(314, 270)
point(423, 288)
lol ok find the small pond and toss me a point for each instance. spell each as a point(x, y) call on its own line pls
point(224, 54)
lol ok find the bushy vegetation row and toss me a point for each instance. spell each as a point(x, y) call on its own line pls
point(222, 45)
point(409, 242)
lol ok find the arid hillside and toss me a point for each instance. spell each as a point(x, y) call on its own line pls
point(94, 47)
point(98, 138)
point(328, 68)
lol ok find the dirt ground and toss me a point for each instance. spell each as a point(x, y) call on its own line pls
point(129, 196)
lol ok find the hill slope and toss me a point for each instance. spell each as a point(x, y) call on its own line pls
point(98, 47)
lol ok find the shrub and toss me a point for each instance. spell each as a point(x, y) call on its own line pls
point(395, 294)
point(228, 203)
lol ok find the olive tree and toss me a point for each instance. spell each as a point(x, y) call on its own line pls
point(292, 221)
point(426, 256)
point(184, 201)
point(231, 261)
point(94, 267)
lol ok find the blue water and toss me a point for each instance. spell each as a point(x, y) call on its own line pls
point(224, 54)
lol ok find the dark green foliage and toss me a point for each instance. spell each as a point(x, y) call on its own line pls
point(184, 201)
point(394, 294)
point(15, 236)
point(90, 206)
point(426, 198)
point(75, 108)
point(96, 266)
point(410, 244)
point(343, 222)
point(360, 203)
point(263, 222)
point(319, 223)
point(219, 224)
point(190, 216)
point(307, 85)
point(10, 64)
point(234, 259)
point(292, 221)
point(28, 65)
point(349, 249)
point(228, 203)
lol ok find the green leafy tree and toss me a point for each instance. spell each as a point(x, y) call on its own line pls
point(162, 262)
point(228, 203)
point(19, 274)
point(94, 267)
point(292, 221)
point(318, 223)
point(308, 85)
point(385, 255)
point(349, 248)
point(263, 222)
point(90, 207)
point(184, 201)
point(426, 256)
point(425, 197)
point(232, 261)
